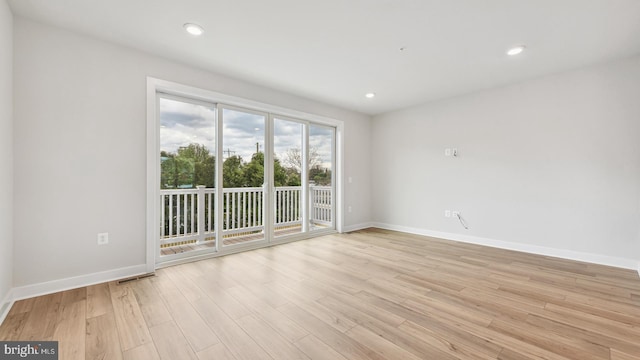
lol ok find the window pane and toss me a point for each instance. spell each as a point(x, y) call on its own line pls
point(187, 145)
point(187, 161)
point(287, 170)
point(243, 137)
point(321, 176)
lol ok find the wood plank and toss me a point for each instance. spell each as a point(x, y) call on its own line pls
point(151, 305)
point(12, 326)
point(445, 343)
point(71, 328)
point(217, 352)
point(98, 300)
point(508, 354)
point(378, 326)
point(178, 275)
point(369, 309)
point(379, 345)
point(619, 355)
point(170, 342)
point(142, 352)
point(42, 320)
point(102, 341)
point(607, 340)
point(132, 328)
point(74, 295)
point(317, 350)
point(569, 314)
point(195, 329)
point(239, 343)
point(345, 345)
point(22, 306)
point(300, 299)
point(572, 348)
point(273, 343)
point(478, 331)
point(221, 297)
point(281, 324)
point(450, 338)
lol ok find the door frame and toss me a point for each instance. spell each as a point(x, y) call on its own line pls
point(304, 169)
point(267, 228)
point(155, 85)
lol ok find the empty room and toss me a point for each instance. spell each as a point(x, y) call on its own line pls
point(287, 179)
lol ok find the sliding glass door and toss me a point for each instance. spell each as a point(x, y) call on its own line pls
point(233, 178)
point(321, 177)
point(187, 175)
point(288, 168)
point(244, 203)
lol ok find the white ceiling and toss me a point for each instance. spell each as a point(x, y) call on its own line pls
point(335, 51)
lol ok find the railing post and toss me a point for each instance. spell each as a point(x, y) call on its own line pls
point(312, 205)
point(200, 207)
point(266, 191)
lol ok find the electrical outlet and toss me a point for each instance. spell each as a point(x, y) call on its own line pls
point(455, 213)
point(349, 208)
point(103, 238)
point(447, 152)
point(447, 213)
point(454, 151)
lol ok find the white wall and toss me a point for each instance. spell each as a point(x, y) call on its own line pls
point(6, 151)
point(552, 162)
point(80, 149)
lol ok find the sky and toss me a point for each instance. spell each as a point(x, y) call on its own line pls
point(183, 123)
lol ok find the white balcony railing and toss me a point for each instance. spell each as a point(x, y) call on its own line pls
point(187, 215)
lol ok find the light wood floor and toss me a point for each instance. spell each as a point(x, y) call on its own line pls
point(372, 294)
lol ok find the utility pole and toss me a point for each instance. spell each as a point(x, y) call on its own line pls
point(228, 151)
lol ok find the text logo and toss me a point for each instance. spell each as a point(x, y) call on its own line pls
point(31, 350)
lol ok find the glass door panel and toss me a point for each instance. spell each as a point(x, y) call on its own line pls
point(243, 177)
point(321, 177)
point(187, 177)
point(287, 175)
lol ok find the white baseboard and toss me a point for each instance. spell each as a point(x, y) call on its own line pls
point(49, 287)
point(6, 305)
point(355, 227)
point(533, 249)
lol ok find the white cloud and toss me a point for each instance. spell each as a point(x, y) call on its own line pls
point(183, 123)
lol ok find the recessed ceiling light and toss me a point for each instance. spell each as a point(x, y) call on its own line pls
point(370, 95)
point(194, 29)
point(515, 50)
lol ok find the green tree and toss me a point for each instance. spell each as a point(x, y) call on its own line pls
point(205, 172)
point(254, 171)
point(175, 172)
point(192, 165)
point(197, 152)
point(204, 168)
point(280, 177)
point(320, 176)
point(233, 170)
point(292, 177)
